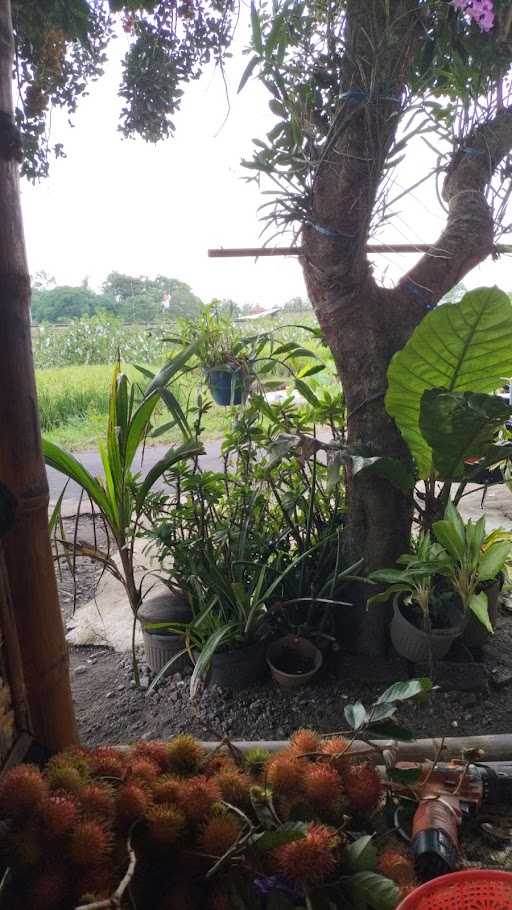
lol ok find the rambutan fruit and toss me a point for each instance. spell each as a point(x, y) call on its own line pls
point(65, 779)
point(167, 789)
point(285, 774)
point(165, 825)
point(216, 763)
point(58, 815)
point(181, 896)
point(21, 790)
point(108, 762)
point(219, 834)
point(397, 866)
point(98, 801)
point(143, 770)
point(184, 755)
point(48, 890)
point(337, 750)
point(197, 796)
point(305, 741)
point(312, 858)
point(363, 787)
point(27, 846)
point(90, 843)
point(255, 760)
point(323, 788)
point(132, 802)
point(155, 751)
point(235, 787)
point(75, 757)
point(96, 883)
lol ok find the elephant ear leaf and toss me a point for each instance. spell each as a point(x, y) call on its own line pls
point(460, 347)
point(459, 425)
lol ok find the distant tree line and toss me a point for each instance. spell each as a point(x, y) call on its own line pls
point(131, 299)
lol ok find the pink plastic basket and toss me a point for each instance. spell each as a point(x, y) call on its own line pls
point(473, 889)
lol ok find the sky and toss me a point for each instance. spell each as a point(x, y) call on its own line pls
point(123, 205)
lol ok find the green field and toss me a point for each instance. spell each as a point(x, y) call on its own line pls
point(73, 405)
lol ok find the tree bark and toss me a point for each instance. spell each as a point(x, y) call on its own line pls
point(27, 547)
point(364, 324)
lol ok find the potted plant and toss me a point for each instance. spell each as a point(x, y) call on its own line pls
point(426, 620)
point(474, 570)
point(167, 605)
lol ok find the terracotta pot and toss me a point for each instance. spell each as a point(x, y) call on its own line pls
point(475, 634)
point(416, 645)
point(287, 651)
point(160, 646)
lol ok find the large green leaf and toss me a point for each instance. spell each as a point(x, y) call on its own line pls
point(478, 604)
point(465, 346)
point(401, 691)
point(67, 464)
point(398, 473)
point(459, 425)
point(375, 891)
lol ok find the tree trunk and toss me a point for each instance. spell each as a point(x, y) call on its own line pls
point(27, 546)
point(363, 331)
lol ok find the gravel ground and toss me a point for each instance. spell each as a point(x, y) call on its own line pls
point(111, 710)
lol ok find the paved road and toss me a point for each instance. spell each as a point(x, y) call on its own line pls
point(92, 461)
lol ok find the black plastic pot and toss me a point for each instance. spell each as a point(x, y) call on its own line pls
point(475, 634)
point(239, 668)
point(160, 646)
point(226, 386)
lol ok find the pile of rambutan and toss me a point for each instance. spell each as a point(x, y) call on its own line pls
point(67, 833)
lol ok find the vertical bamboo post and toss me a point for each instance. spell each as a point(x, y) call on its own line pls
point(27, 547)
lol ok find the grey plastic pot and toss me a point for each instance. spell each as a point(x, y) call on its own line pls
point(160, 647)
point(475, 634)
point(238, 668)
point(416, 645)
point(303, 649)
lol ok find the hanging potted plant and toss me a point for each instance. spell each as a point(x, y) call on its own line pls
point(426, 619)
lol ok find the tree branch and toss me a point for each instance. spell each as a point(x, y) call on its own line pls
point(469, 233)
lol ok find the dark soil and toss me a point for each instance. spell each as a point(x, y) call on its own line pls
point(111, 710)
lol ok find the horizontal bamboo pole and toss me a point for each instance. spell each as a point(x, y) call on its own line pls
point(255, 252)
point(496, 748)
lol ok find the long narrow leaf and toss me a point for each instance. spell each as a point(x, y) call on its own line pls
point(67, 464)
point(189, 449)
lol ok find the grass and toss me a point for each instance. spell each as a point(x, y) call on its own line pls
point(73, 406)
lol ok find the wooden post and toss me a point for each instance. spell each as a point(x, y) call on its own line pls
point(27, 547)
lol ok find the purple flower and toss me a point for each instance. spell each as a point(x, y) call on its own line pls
point(480, 11)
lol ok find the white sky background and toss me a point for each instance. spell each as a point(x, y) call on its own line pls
point(123, 205)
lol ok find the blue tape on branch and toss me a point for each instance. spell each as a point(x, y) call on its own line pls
point(422, 295)
point(327, 232)
point(472, 152)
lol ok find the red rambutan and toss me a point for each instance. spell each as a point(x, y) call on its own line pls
point(98, 802)
point(197, 796)
point(184, 755)
point(397, 866)
point(132, 802)
point(337, 750)
point(143, 770)
point(311, 858)
point(216, 763)
point(305, 741)
point(323, 788)
point(58, 815)
point(219, 834)
point(90, 843)
point(155, 751)
point(165, 825)
point(48, 890)
point(235, 787)
point(97, 883)
point(21, 790)
point(363, 787)
point(167, 789)
point(108, 762)
point(285, 774)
